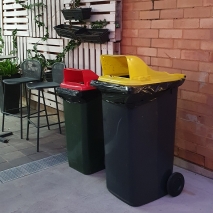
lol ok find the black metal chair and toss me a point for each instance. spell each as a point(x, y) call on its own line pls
point(57, 74)
point(31, 71)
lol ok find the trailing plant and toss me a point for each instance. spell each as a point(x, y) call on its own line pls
point(72, 44)
point(99, 24)
point(37, 56)
point(37, 17)
point(1, 42)
point(8, 67)
point(31, 6)
point(74, 4)
point(15, 46)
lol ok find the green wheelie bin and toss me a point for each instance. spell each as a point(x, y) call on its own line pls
point(83, 121)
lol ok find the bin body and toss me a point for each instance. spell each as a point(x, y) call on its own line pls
point(84, 133)
point(139, 147)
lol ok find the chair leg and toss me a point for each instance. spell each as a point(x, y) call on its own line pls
point(56, 101)
point(28, 114)
point(25, 89)
point(38, 121)
point(21, 112)
point(3, 110)
point(45, 109)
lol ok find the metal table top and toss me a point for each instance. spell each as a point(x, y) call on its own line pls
point(2, 57)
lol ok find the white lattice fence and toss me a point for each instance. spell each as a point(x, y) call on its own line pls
point(87, 56)
point(14, 17)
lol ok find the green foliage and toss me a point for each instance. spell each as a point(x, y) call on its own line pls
point(1, 42)
point(37, 56)
point(31, 6)
point(70, 46)
point(75, 4)
point(8, 67)
point(46, 36)
point(37, 17)
point(99, 24)
point(34, 54)
point(15, 44)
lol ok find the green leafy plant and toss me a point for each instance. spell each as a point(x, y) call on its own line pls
point(8, 67)
point(99, 24)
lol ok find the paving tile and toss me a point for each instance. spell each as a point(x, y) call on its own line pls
point(22, 145)
point(51, 145)
point(3, 145)
point(61, 142)
point(19, 151)
point(12, 155)
point(2, 160)
point(39, 155)
point(7, 149)
point(5, 165)
point(56, 151)
point(20, 161)
point(29, 151)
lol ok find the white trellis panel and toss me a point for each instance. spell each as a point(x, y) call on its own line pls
point(49, 48)
point(14, 17)
point(87, 56)
point(8, 45)
point(22, 48)
point(52, 16)
point(109, 10)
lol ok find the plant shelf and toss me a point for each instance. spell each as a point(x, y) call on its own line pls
point(77, 13)
point(68, 31)
point(94, 35)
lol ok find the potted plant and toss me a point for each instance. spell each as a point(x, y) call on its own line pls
point(9, 68)
point(75, 12)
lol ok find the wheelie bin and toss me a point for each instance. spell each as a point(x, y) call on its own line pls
point(139, 112)
point(83, 121)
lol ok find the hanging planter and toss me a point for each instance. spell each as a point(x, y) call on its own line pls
point(94, 35)
point(77, 13)
point(68, 31)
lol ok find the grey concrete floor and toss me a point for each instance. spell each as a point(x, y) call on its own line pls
point(61, 189)
point(20, 151)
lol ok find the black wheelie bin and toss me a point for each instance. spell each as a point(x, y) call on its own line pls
point(139, 113)
point(83, 121)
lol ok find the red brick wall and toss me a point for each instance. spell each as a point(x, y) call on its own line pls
point(177, 36)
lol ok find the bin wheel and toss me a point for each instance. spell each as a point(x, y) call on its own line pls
point(175, 184)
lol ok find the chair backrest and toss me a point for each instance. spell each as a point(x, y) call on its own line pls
point(58, 72)
point(32, 69)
